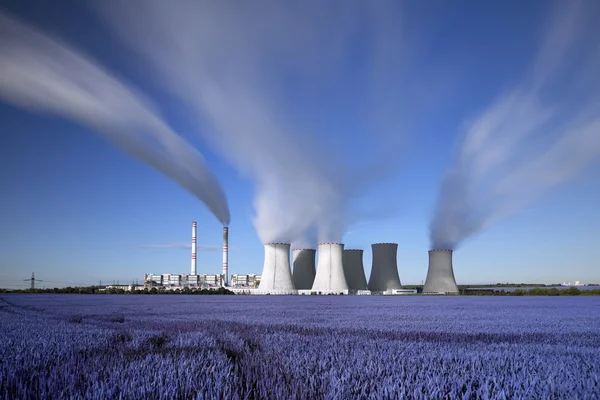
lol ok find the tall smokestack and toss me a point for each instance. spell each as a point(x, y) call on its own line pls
point(276, 275)
point(304, 268)
point(193, 272)
point(384, 270)
point(354, 270)
point(330, 269)
point(225, 255)
point(440, 274)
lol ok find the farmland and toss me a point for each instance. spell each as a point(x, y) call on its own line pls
point(236, 347)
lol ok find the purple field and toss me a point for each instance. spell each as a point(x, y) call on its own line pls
point(298, 347)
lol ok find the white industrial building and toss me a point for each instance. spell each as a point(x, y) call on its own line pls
point(249, 281)
point(182, 281)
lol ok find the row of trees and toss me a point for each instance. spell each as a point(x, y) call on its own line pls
point(104, 290)
point(69, 289)
point(537, 291)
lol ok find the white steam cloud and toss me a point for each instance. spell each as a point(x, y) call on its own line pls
point(43, 74)
point(540, 135)
point(235, 63)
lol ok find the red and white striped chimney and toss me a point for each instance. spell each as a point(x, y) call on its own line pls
point(225, 255)
point(194, 248)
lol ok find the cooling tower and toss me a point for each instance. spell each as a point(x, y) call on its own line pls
point(440, 275)
point(304, 268)
point(193, 269)
point(354, 270)
point(330, 269)
point(276, 275)
point(225, 255)
point(384, 270)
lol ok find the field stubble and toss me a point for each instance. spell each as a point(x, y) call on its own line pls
point(270, 347)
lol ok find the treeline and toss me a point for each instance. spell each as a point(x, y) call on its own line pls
point(69, 289)
point(538, 291)
point(510, 285)
point(103, 290)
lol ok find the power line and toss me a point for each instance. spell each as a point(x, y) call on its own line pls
point(20, 284)
point(72, 283)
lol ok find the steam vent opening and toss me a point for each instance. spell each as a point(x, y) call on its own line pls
point(440, 273)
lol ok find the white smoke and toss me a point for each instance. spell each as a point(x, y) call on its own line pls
point(231, 62)
point(41, 73)
point(540, 135)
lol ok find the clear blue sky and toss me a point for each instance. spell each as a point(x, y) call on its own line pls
point(77, 210)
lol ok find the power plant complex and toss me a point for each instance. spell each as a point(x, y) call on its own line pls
point(329, 269)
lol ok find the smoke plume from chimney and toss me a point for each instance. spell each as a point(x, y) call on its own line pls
point(43, 74)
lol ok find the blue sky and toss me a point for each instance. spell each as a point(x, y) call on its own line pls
point(76, 209)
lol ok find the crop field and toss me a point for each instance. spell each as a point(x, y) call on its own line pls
point(298, 347)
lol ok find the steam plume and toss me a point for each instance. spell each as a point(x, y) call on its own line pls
point(230, 62)
point(535, 138)
point(41, 73)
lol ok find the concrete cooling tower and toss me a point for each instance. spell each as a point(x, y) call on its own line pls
point(354, 270)
point(330, 269)
point(276, 275)
point(440, 275)
point(384, 270)
point(303, 274)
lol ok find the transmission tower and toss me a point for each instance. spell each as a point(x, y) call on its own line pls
point(33, 280)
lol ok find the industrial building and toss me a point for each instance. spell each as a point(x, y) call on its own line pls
point(193, 280)
point(223, 281)
point(182, 281)
point(250, 281)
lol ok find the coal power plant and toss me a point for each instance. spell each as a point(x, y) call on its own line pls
point(440, 274)
point(328, 270)
point(303, 274)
